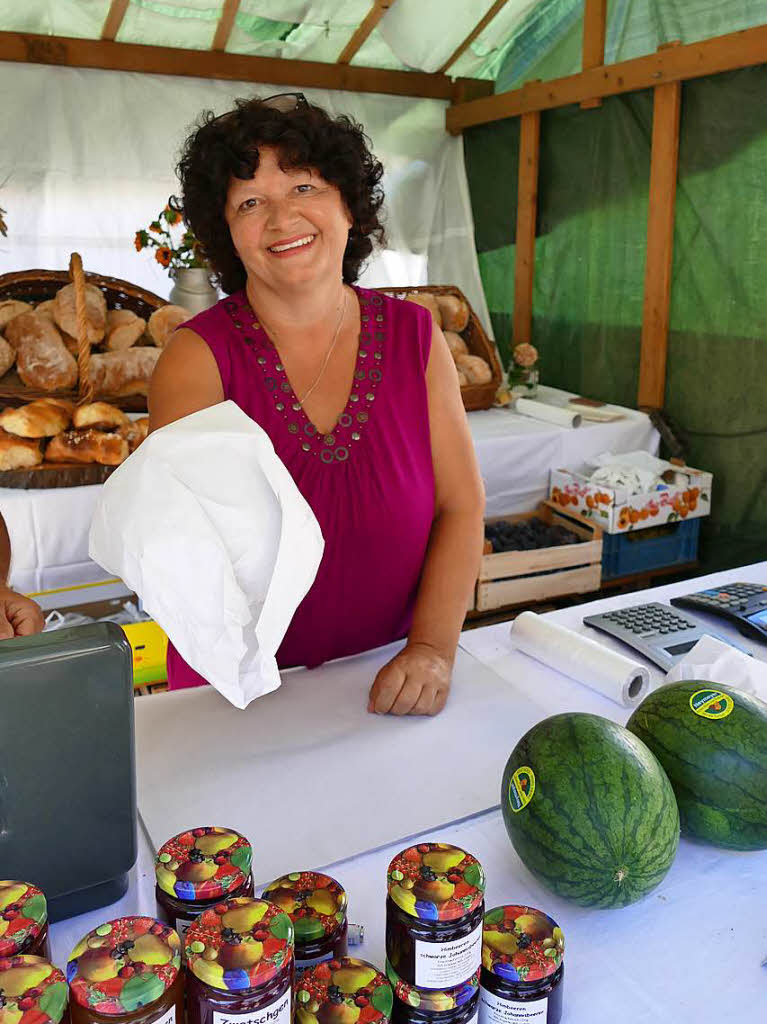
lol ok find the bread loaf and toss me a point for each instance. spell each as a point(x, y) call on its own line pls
point(65, 312)
point(475, 369)
point(46, 309)
point(429, 301)
point(18, 452)
point(11, 308)
point(7, 356)
point(135, 432)
point(37, 419)
point(123, 373)
point(455, 312)
point(164, 321)
point(456, 344)
point(124, 328)
point(100, 416)
point(87, 446)
point(41, 356)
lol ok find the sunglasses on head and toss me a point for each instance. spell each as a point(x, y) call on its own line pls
point(284, 102)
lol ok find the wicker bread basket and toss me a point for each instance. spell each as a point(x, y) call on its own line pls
point(475, 396)
point(36, 286)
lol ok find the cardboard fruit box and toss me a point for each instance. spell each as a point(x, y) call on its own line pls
point(687, 495)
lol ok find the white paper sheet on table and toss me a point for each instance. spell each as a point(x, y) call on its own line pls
point(309, 776)
point(717, 662)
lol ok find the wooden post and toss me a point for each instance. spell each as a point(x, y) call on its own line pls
point(660, 245)
point(527, 207)
point(594, 31)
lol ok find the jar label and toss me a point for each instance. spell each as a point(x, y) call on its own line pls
point(167, 1018)
point(445, 964)
point(277, 1012)
point(494, 1010)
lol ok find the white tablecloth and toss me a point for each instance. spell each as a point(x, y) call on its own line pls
point(691, 951)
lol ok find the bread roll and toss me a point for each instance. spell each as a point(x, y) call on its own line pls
point(100, 416)
point(428, 301)
point(42, 359)
point(11, 308)
point(18, 452)
point(164, 321)
point(37, 419)
point(456, 344)
point(7, 356)
point(65, 312)
point(87, 446)
point(60, 403)
point(462, 378)
point(123, 373)
point(455, 312)
point(135, 432)
point(46, 309)
point(475, 369)
point(124, 329)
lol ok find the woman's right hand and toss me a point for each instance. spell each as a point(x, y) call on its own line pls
point(19, 615)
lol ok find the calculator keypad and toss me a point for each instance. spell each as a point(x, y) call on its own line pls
point(650, 619)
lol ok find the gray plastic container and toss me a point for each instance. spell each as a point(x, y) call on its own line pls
point(67, 765)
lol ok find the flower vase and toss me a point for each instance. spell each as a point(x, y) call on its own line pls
point(523, 381)
point(192, 288)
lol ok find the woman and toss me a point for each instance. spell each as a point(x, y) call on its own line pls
point(356, 390)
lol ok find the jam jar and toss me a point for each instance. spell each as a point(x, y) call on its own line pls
point(522, 967)
point(412, 1005)
point(32, 985)
point(434, 913)
point(316, 904)
point(239, 959)
point(23, 920)
point(197, 869)
point(343, 991)
point(127, 971)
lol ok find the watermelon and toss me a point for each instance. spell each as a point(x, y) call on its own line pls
point(712, 742)
point(589, 810)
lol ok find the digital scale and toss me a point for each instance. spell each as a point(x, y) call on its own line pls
point(742, 604)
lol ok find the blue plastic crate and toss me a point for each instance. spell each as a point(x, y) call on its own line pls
point(654, 548)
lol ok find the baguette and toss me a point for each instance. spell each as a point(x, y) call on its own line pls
point(37, 419)
point(18, 452)
point(123, 373)
point(42, 359)
point(100, 416)
point(87, 446)
point(65, 312)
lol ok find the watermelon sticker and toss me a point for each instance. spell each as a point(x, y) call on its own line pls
point(521, 788)
point(711, 703)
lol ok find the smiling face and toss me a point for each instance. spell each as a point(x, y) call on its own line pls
point(289, 227)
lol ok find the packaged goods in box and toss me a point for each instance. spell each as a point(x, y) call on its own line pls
point(632, 492)
point(657, 548)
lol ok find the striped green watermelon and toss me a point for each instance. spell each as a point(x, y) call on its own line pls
point(712, 741)
point(589, 810)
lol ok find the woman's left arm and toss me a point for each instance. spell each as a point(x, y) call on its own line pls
point(417, 680)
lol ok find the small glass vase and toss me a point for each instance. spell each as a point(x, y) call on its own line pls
point(192, 288)
point(523, 381)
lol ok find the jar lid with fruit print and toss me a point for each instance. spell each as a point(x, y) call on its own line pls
point(202, 864)
point(343, 991)
point(33, 991)
point(521, 944)
point(433, 1000)
point(436, 882)
point(238, 944)
point(23, 916)
point(315, 903)
point(124, 965)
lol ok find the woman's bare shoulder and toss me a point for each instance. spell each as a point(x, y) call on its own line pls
point(185, 380)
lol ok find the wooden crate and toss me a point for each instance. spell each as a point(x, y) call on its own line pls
point(511, 578)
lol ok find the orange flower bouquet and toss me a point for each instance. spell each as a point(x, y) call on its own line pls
point(175, 245)
point(523, 370)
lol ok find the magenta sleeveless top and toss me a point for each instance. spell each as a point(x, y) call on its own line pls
point(370, 482)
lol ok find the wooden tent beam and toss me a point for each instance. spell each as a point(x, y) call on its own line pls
point(594, 33)
point(660, 245)
point(677, 64)
point(374, 15)
point(225, 24)
point(114, 19)
point(159, 60)
point(527, 210)
point(480, 27)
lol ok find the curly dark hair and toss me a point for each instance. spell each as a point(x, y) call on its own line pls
point(223, 147)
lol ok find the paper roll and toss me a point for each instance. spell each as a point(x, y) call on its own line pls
point(549, 413)
point(588, 662)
